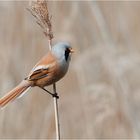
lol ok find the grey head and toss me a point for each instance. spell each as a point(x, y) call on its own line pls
point(62, 51)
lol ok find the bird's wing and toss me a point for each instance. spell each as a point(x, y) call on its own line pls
point(40, 72)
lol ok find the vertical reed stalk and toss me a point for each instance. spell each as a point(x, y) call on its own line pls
point(57, 124)
point(39, 9)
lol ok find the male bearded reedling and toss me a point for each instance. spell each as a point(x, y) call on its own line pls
point(47, 71)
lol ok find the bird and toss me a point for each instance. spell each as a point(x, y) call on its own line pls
point(50, 69)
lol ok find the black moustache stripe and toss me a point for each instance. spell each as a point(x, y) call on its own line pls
point(67, 52)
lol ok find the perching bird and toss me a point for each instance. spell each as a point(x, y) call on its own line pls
point(47, 71)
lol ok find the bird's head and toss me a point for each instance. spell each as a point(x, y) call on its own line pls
point(62, 50)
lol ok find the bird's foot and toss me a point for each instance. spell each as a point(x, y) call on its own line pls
point(55, 95)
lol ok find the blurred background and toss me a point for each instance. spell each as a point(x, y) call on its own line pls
point(100, 95)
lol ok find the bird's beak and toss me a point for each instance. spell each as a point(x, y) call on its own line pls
point(72, 50)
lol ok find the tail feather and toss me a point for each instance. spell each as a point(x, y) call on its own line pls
point(16, 92)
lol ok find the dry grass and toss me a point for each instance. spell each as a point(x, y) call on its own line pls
point(39, 9)
point(100, 94)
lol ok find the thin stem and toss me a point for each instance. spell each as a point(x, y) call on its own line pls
point(39, 9)
point(56, 114)
point(50, 44)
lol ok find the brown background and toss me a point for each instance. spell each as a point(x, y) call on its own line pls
point(100, 95)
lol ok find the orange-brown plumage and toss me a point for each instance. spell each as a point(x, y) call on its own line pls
point(51, 68)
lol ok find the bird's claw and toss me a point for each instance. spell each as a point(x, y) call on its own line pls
point(55, 95)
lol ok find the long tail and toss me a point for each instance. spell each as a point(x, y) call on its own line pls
point(16, 92)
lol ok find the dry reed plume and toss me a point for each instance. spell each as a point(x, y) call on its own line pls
point(39, 9)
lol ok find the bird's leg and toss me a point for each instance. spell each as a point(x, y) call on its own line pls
point(53, 94)
point(47, 91)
